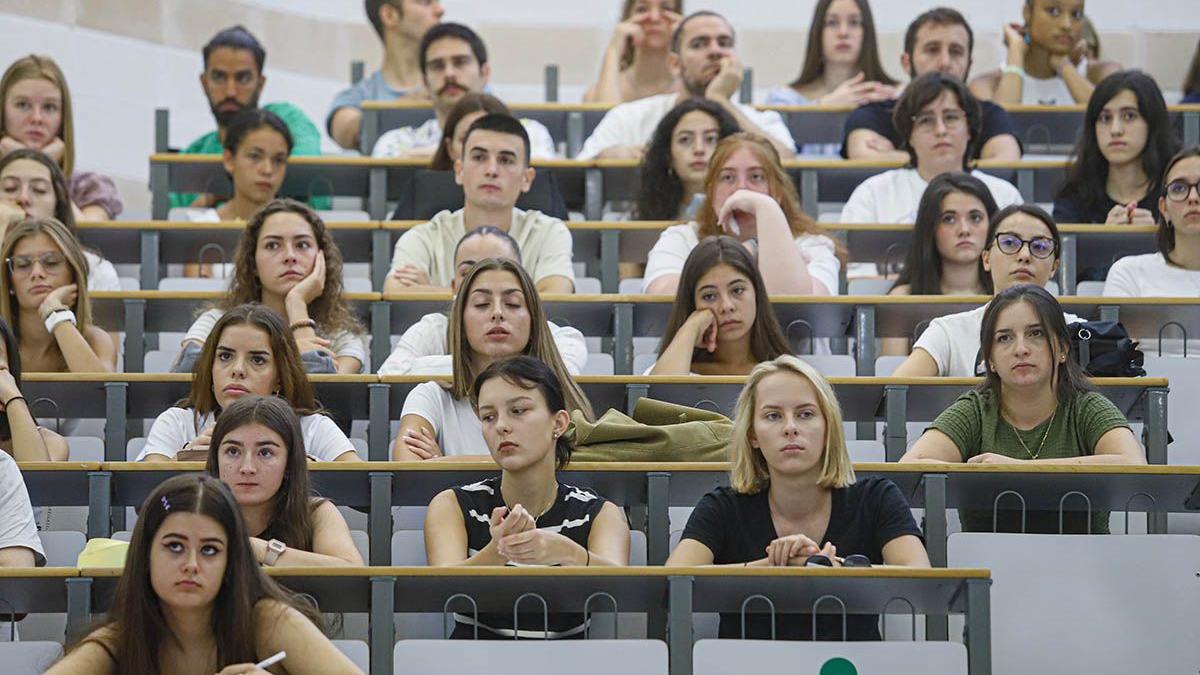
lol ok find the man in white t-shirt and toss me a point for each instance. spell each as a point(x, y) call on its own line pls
point(939, 122)
point(493, 172)
point(454, 62)
point(1023, 248)
point(706, 65)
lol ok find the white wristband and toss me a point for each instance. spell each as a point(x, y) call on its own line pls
point(58, 316)
point(1015, 70)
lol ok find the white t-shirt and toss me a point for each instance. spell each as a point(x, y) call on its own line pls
point(1151, 276)
point(545, 244)
point(102, 276)
point(633, 123)
point(671, 250)
point(893, 196)
point(427, 136)
point(953, 341)
point(423, 349)
point(454, 422)
point(176, 427)
point(344, 344)
point(1050, 91)
point(17, 524)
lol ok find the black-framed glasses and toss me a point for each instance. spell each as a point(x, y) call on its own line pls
point(23, 264)
point(1178, 190)
point(1039, 247)
point(927, 121)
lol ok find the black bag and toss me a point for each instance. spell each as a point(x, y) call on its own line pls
point(1104, 349)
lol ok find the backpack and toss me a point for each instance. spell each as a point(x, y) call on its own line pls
point(1104, 349)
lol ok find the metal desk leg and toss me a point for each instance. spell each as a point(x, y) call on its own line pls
point(623, 338)
point(1156, 447)
point(381, 328)
point(809, 198)
point(1191, 128)
point(633, 392)
point(79, 608)
point(377, 193)
point(382, 631)
point(135, 334)
point(864, 358)
point(610, 257)
point(1110, 313)
point(679, 627)
point(895, 438)
point(551, 82)
point(936, 627)
point(378, 426)
point(116, 435)
point(979, 627)
point(658, 521)
point(381, 257)
point(151, 257)
point(160, 187)
point(379, 521)
point(1068, 265)
point(369, 132)
point(99, 502)
point(593, 194)
point(1025, 183)
point(574, 133)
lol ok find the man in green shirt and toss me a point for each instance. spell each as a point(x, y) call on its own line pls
point(233, 80)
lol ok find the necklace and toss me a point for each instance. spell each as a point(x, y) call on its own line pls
point(1017, 433)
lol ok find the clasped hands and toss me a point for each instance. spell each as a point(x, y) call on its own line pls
point(519, 540)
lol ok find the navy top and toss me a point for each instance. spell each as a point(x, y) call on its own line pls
point(877, 117)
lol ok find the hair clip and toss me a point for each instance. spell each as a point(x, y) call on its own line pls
point(165, 503)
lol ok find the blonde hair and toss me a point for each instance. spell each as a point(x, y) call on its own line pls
point(541, 341)
point(748, 468)
point(42, 67)
point(69, 245)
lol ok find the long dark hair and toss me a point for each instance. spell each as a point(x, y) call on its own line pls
point(528, 372)
point(136, 622)
point(1086, 180)
point(467, 104)
point(1165, 236)
point(1070, 380)
point(661, 191)
point(923, 267)
point(1191, 83)
point(63, 212)
point(292, 509)
point(766, 337)
point(868, 57)
point(13, 349)
point(253, 119)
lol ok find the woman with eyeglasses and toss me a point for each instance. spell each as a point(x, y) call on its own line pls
point(1023, 246)
point(44, 297)
point(1035, 407)
point(940, 123)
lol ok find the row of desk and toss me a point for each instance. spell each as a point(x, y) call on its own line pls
point(596, 244)
point(668, 597)
point(124, 400)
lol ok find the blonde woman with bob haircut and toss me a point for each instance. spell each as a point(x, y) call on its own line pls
point(749, 197)
point(44, 297)
point(496, 314)
point(793, 495)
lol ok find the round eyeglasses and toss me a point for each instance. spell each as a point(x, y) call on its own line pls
point(1039, 247)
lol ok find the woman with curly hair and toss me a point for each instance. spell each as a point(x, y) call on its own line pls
point(676, 160)
point(287, 260)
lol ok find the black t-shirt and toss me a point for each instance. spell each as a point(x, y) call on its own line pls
point(572, 515)
point(737, 528)
point(1070, 209)
point(877, 117)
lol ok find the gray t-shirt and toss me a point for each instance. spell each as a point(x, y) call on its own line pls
point(372, 88)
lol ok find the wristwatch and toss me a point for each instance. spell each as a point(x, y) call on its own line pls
point(275, 548)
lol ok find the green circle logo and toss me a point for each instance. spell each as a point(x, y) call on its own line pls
point(838, 666)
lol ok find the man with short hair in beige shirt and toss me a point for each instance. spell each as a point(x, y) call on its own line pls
point(493, 172)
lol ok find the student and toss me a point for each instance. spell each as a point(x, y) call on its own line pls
point(233, 81)
point(1174, 271)
point(20, 545)
point(33, 186)
point(938, 40)
point(707, 66)
point(495, 315)
point(841, 61)
point(257, 145)
point(1035, 407)
point(676, 161)
point(247, 353)
point(493, 173)
point(287, 260)
point(1191, 83)
point(1046, 63)
point(470, 107)
point(722, 322)
point(424, 347)
point(400, 25)
point(192, 598)
point(636, 63)
point(454, 62)
point(749, 196)
point(792, 495)
point(1126, 141)
point(37, 114)
point(524, 516)
point(1023, 247)
point(939, 121)
point(44, 298)
point(257, 449)
point(20, 435)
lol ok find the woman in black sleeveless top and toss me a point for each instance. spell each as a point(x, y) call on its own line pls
point(524, 516)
